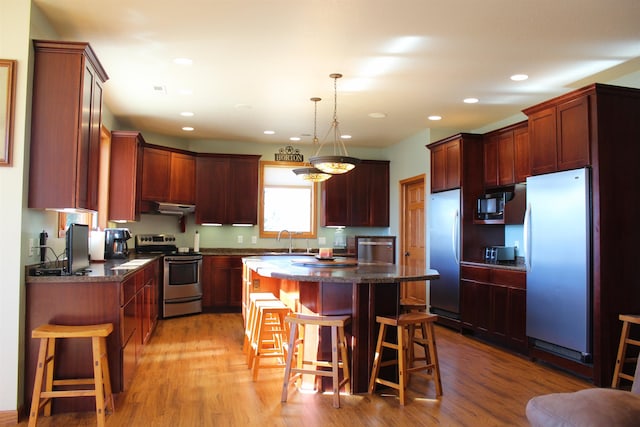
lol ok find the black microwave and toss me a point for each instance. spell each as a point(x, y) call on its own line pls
point(491, 205)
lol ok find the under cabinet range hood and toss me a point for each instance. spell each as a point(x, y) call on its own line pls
point(174, 208)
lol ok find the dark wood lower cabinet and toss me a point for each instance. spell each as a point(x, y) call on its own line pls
point(493, 305)
point(222, 282)
point(130, 304)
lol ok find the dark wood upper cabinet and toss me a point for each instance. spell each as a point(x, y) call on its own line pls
point(359, 198)
point(124, 183)
point(168, 176)
point(522, 167)
point(65, 126)
point(227, 189)
point(445, 164)
point(559, 134)
point(506, 156)
point(182, 181)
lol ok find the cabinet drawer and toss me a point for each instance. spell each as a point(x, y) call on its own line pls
point(514, 279)
point(128, 290)
point(128, 321)
point(479, 274)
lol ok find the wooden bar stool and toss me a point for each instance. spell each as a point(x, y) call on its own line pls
point(621, 359)
point(268, 320)
point(269, 337)
point(296, 349)
point(404, 359)
point(409, 305)
point(45, 369)
point(251, 314)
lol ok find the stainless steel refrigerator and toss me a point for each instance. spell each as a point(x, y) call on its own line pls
point(557, 243)
point(444, 253)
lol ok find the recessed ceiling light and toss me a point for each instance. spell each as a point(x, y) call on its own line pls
point(470, 100)
point(294, 138)
point(183, 61)
point(187, 128)
point(377, 115)
point(435, 117)
point(345, 136)
point(519, 77)
point(187, 114)
point(269, 132)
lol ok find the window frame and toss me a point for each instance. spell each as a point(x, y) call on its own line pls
point(314, 196)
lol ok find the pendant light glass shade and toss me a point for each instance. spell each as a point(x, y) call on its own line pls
point(310, 173)
point(340, 162)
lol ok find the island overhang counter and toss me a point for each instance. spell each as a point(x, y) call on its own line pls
point(360, 290)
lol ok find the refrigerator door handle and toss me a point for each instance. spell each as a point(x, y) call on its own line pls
point(527, 237)
point(454, 240)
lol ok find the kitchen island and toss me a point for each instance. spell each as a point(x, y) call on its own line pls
point(360, 290)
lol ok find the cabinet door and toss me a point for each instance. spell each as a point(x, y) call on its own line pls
point(242, 194)
point(573, 134)
point(156, 167)
point(359, 195)
point(379, 197)
point(468, 301)
point(94, 125)
point(517, 309)
point(124, 180)
point(499, 311)
point(453, 164)
point(207, 281)
point(542, 139)
point(522, 168)
point(235, 283)
point(506, 159)
point(335, 201)
point(182, 181)
point(490, 151)
point(438, 168)
point(211, 189)
point(483, 318)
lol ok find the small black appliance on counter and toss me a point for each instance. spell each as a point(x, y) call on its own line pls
point(500, 254)
point(115, 243)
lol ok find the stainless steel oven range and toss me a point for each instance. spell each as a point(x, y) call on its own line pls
point(181, 284)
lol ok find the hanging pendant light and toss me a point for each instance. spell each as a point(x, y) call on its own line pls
point(309, 173)
point(340, 162)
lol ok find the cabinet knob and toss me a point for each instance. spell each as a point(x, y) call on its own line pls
point(407, 254)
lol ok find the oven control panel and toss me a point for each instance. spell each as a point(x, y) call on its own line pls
point(155, 242)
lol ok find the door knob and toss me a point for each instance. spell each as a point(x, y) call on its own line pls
point(407, 254)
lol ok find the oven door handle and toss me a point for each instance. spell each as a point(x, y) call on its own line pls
point(181, 261)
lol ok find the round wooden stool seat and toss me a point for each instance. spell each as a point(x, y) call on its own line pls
point(45, 372)
point(405, 359)
point(298, 322)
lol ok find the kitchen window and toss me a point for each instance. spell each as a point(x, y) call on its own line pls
point(288, 202)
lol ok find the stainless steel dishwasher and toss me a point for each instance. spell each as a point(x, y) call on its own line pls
point(376, 249)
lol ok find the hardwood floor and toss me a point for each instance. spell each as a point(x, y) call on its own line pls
point(193, 373)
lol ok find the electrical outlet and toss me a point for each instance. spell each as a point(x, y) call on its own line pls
point(31, 248)
point(322, 240)
point(254, 240)
point(240, 239)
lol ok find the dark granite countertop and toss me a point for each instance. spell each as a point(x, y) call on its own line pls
point(110, 270)
point(286, 267)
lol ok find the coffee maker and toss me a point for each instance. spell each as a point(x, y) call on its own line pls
point(115, 243)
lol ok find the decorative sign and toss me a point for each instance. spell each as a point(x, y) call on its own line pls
point(289, 154)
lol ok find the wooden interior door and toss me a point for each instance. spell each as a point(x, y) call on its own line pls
point(412, 235)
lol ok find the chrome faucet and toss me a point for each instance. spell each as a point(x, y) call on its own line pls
point(290, 239)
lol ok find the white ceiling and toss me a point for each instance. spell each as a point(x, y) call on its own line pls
point(256, 63)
